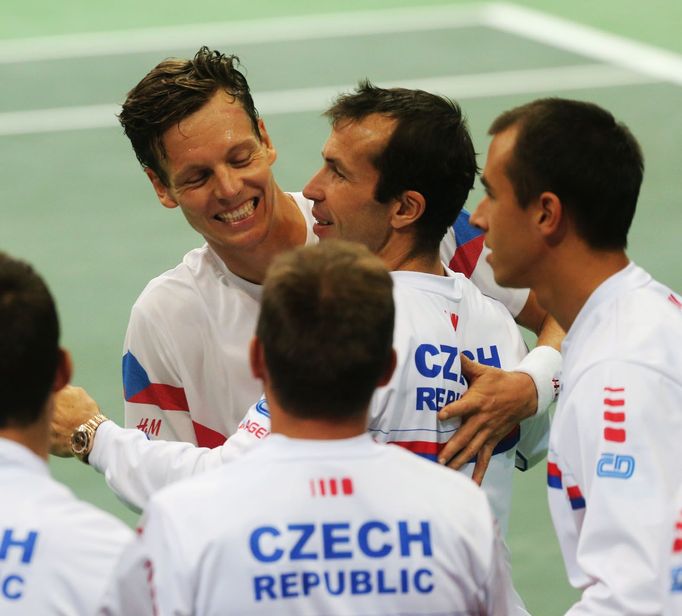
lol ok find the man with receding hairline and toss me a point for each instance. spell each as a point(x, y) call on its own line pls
point(197, 134)
point(562, 181)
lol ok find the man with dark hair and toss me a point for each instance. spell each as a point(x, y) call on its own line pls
point(55, 551)
point(197, 134)
point(562, 181)
point(321, 526)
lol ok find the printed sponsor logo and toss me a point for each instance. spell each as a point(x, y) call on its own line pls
point(616, 466)
point(150, 428)
point(254, 428)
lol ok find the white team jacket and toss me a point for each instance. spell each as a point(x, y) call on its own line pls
point(321, 528)
point(614, 461)
point(185, 367)
point(56, 552)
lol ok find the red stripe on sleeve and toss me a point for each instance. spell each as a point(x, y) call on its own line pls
point(618, 417)
point(574, 492)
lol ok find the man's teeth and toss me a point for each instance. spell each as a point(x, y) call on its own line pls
point(240, 213)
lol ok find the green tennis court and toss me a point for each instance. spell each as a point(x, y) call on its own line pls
point(75, 203)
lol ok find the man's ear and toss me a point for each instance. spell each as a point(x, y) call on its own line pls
point(409, 207)
point(390, 369)
point(550, 217)
point(163, 192)
point(271, 152)
point(257, 359)
point(64, 370)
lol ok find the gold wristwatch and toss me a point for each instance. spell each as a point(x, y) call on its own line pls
point(83, 437)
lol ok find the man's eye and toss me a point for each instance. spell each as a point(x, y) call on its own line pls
point(242, 161)
point(197, 178)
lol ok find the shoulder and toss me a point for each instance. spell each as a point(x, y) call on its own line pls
point(642, 326)
point(446, 484)
point(180, 279)
point(484, 308)
point(70, 522)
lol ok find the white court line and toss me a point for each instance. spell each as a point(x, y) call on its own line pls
point(596, 44)
point(217, 35)
point(554, 31)
point(317, 99)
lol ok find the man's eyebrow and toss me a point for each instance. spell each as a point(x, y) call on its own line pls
point(484, 182)
point(335, 163)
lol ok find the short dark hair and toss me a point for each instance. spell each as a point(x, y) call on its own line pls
point(430, 151)
point(29, 343)
point(578, 151)
point(173, 90)
point(326, 326)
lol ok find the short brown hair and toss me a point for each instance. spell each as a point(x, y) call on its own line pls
point(29, 343)
point(326, 326)
point(173, 90)
point(430, 151)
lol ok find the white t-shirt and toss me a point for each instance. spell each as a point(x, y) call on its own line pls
point(321, 528)
point(614, 464)
point(186, 374)
point(56, 552)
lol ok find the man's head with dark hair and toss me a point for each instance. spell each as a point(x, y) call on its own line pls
point(408, 144)
point(173, 90)
point(579, 152)
point(194, 128)
point(29, 343)
point(326, 329)
point(562, 179)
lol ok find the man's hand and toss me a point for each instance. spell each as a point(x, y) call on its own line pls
point(72, 407)
point(494, 404)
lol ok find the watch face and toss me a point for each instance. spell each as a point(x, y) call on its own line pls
point(79, 441)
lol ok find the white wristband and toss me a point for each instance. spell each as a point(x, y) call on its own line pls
point(543, 365)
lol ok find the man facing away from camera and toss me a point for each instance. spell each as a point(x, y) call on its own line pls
point(321, 526)
point(56, 552)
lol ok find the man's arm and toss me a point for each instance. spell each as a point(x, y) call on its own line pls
point(155, 399)
point(618, 437)
point(498, 400)
point(135, 467)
